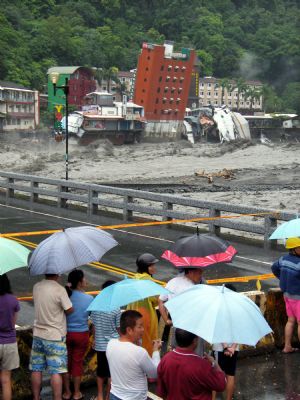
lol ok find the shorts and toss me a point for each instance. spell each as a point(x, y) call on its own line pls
point(227, 364)
point(9, 356)
point(292, 308)
point(77, 344)
point(102, 365)
point(50, 355)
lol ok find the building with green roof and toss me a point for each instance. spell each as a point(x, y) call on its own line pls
point(81, 81)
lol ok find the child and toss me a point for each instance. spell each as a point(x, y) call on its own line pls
point(105, 326)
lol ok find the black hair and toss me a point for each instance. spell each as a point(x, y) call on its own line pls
point(128, 320)
point(50, 275)
point(184, 338)
point(74, 278)
point(230, 286)
point(142, 269)
point(4, 285)
point(108, 283)
point(187, 270)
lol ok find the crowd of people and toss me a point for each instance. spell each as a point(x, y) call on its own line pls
point(126, 342)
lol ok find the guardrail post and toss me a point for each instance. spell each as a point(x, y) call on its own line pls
point(34, 196)
point(214, 213)
point(270, 225)
point(167, 206)
point(127, 214)
point(10, 192)
point(92, 208)
point(61, 202)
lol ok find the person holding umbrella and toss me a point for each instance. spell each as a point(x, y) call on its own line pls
point(77, 332)
point(146, 268)
point(9, 356)
point(287, 270)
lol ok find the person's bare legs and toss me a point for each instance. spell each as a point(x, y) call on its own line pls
point(66, 383)
point(36, 384)
point(77, 393)
point(100, 387)
point(108, 386)
point(229, 387)
point(288, 333)
point(6, 384)
point(56, 384)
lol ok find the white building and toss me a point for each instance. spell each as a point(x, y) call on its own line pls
point(212, 93)
point(19, 107)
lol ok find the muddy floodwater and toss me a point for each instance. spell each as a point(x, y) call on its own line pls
point(239, 172)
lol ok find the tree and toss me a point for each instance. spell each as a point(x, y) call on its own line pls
point(241, 86)
point(252, 94)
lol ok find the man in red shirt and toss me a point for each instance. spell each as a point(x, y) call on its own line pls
point(183, 375)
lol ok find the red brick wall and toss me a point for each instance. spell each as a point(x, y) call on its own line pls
point(80, 84)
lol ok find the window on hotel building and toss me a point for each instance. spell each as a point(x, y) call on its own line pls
point(168, 78)
point(162, 68)
point(166, 89)
point(208, 93)
point(160, 79)
point(158, 90)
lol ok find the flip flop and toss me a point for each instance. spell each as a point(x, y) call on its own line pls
point(293, 350)
point(66, 398)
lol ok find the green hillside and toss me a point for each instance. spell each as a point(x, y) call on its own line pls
point(252, 39)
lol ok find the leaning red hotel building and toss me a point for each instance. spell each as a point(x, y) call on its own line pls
point(163, 80)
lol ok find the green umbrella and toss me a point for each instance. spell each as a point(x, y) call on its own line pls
point(12, 255)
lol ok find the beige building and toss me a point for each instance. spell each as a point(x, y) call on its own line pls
point(212, 93)
point(19, 107)
point(125, 85)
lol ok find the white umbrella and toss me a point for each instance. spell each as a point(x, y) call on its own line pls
point(218, 315)
point(69, 249)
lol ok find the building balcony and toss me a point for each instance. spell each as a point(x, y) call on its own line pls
point(20, 114)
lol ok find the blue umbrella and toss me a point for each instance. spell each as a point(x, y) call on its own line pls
point(218, 315)
point(287, 230)
point(69, 249)
point(125, 292)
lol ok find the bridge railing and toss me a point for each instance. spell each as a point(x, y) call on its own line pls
point(63, 196)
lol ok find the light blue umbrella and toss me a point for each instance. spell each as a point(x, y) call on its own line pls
point(218, 315)
point(125, 292)
point(69, 249)
point(287, 230)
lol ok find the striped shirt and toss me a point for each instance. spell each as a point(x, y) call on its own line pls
point(106, 324)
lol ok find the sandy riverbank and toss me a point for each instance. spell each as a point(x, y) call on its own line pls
point(260, 175)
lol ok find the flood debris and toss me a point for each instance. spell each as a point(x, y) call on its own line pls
point(224, 173)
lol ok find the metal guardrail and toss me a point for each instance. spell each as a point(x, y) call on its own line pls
point(93, 199)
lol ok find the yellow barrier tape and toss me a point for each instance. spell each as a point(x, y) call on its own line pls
point(140, 224)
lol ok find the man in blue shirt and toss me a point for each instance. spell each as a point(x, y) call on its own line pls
point(287, 270)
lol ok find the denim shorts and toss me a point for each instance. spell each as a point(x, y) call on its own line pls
point(50, 355)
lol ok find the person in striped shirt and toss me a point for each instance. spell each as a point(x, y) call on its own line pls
point(105, 327)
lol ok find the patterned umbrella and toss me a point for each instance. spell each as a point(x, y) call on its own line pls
point(199, 251)
point(69, 249)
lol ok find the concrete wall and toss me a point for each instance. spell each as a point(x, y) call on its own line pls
point(163, 131)
point(271, 305)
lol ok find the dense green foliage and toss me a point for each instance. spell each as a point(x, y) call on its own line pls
point(249, 39)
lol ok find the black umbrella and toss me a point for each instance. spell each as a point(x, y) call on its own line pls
point(199, 251)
